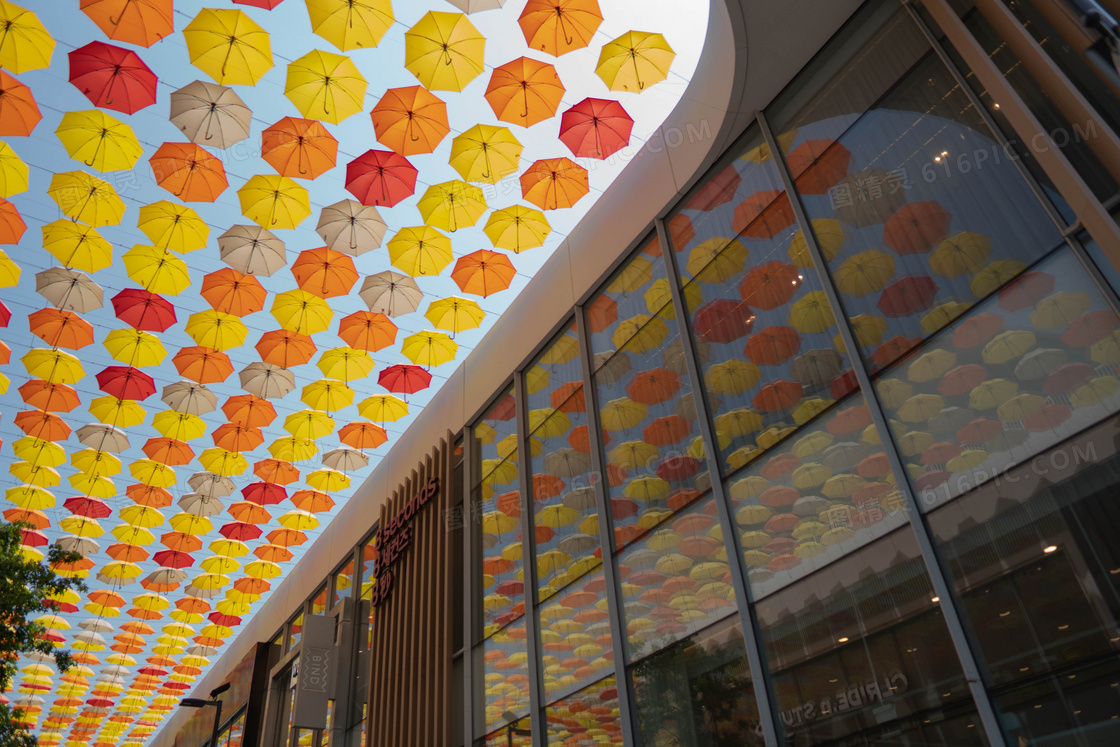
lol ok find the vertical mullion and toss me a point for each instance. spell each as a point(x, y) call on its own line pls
point(528, 559)
point(747, 623)
point(468, 519)
point(952, 616)
point(606, 534)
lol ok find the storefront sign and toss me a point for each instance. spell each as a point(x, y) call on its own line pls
point(395, 537)
point(859, 694)
point(316, 671)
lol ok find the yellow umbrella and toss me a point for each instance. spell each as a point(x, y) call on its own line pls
point(99, 140)
point(273, 201)
point(141, 516)
point(622, 414)
point(812, 313)
point(830, 237)
point(1059, 309)
point(327, 479)
point(495, 522)
point(943, 315)
point(1093, 392)
point(548, 423)
point(299, 311)
point(99, 487)
point(325, 86)
point(13, 171)
point(732, 377)
point(172, 226)
point(995, 276)
point(293, 449)
point(1007, 346)
point(739, 422)
point(444, 51)
point(659, 298)
point(153, 473)
point(452, 205)
point(228, 46)
point(964, 253)
point(223, 462)
point(78, 246)
point(54, 366)
point(454, 314)
point(640, 333)
point(34, 474)
point(9, 271)
point(157, 270)
point(383, 408)
point(517, 228)
point(485, 153)
point(327, 395)
point(429, 348)
point(93, 462)
point(555, 517)
point(86, 198)
point(864, 273)
point(931, 365)
point(39, 452)
point(217, 330)
point(920, 408)
point(345, 364)
point(632, 454)
point(25, 44)
point(1022, 406)
point(420, 250)
point(868, 329)
point(634, 61)
point(135, 347)
point(646, 489)
point(30, 497)
point(351, 24)
point(179, 425)
point(715, 260)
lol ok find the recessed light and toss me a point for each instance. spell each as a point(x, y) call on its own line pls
point(843, 639)
point(1050, 549)
point(935, 600)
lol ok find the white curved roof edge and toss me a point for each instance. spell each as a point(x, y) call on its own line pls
point(753, 48)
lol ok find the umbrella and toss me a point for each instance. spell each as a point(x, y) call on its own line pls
point(99, 140)
point(517, 228)
point(452, 205)
point(189, 398)
point(13, 172)
point(596, 128)
point(907, 296)
point(188, 172)
point(403, 379)
point(26, 45)
point(830, 238)
point(723, 321)
point(55, 366)
point(383, 408)
point(345, 459)
point(77, 246)
point(429, 348)
point(361, 435)
point(125, 382)
point(864, 273)
point(252, 250)
point(812, 313)
point(60, 328)
point(381, 178)
point(157, 270)
point(351, 25)
point(266, 380)
point(420, 250)
point(142, 22)
point(86, 198)
point(326, 86)
point(1029, 289)
point(410, 120)
point(485, 153)
point(475, 6)
point(444, 51)
point(228, 46)
point(557, 27)
point(230, 292)
point(454, 314)
point(524, 91)
point(302, 312)
point(327, 395)
point(554, 183)
point(770, 285)
point(172, 226)
point(818, 165)
point(135, 347)
point(995, 276)
point(324, 272)
point(112, 77)
point(367, 330)
point(716, 260)
point(916, 227)
point(816, 368)
point(12, 226)
point(483, 272)
point(861, 200)
point(634, 61)
point(963, 253)
point(209, 114)
point(274, 201)
point(345, 364)
point(299, 148)
point(391, 293)
point(350, 227)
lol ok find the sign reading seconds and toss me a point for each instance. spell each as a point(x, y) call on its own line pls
point(395, 537)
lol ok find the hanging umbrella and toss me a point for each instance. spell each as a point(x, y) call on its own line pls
point(916, 227)
point(452, 205)
point(230, 292)
point(345, 364)
point(228, 46)
point(141, 22)
point(252, 250)
point(383, 408)
point(818, 165)
point(112, 77)
point(54, 366)
point(429, 348)
point(302, 312)
point(380, 178)
point(345, 459)
point(963, 253)
point(12, 226)
point(454, 314)
point(410, 120)
point(391, 293)
point(995, 276)
point(157, 270)
point(285, 348)
point(188, 172)
point(420, 250)
point(126, 382)
point(135, 347)
point(596, 128)
point(634, 61)
point(299, 148)
point(907, 296)
point(86, 198)
point(557, 27)
point(554, 183)
point(350, 227)
point(324, 272)
point(172, 226)
point(274, 201)
point(266, 380)
point(209, 114)
point(770, 285)
point(77, 246)
point(189, 398)
point(483, 273)
point(327, 395)
point(716, 260)
point(524, 91)
point(19, 114)
point(99, 140)
point(404, 379)
point(517, 228)
point(202, 364)
point(26, 45)
point(485, 153)
point(444, 51)
point(351, 25)
point(13, 172)
point(325, 86)
point(216, 330)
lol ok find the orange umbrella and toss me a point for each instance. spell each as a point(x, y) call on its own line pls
point(170, 451)
point(245, 409)
point(18, 111)
point(44, 425)
point(230, 292)
point(770, 285)
point(773, 346)
point(367, 330)
point(763, 214)
point(818, 166)
point(237, 437)
point(325, 272)
point(285, 349)
point(142, 22)
point(276, 471)
point(249, 512)
point(362, 435)
point(272, 554)
point(47, 396)
point(11, 223)
point(666, 430)
point(524, 92)
point(188, 172)
point(483, 272)
point(553, 183)
point(202, 365)
point(299, 148)
point(286, 537)
point(557, 27)
point(312, 500)
point(62, 329)
point(410, 120)
point(148, 495)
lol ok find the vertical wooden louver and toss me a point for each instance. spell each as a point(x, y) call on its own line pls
point(410, 684)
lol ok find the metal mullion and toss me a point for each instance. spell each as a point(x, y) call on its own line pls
point(768, 716)
point(528, 559)
point(606, 535)
point(942, 588)
point(468, 511)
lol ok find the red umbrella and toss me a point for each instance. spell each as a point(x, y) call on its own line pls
point(1065, 378)
point(1090, 327)
point(228, 621)
point(595, 128)
point(723, 320)
point(1047, 418)
point(916, 227)
point(35, 538)
point(961, 379)
point(144, 310)
point(979, 431)
point(843, 384)
point(778, 396)
point(893, 349)
point(770, 285)
point(404, 379)
point(236, 530)
point(112, 77)
point(677, 468)
point(623, 508)
point(763, 214)
point(264, 493)
point(126, 382)
point(773, 346)
point(818, 165)
point(380, 177)
point(1026, 291)
point(266, 4)
point(718, 191)
point(977, 330)
point(173, 559)
point(5, 315)
point(907, 296)
point(84, 505)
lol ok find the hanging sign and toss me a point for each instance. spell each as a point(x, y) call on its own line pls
point(395, 537)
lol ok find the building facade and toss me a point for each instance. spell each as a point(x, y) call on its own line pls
point(808, 436)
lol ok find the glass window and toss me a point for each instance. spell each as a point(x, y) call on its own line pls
point(501, 671)
point(514, 734)
point(554, 377)
point(295, 629)
point(319, 602)
point(698, 692)
point(882, 142)
point(1033, 557)
point(589, 717)
point(343, 583)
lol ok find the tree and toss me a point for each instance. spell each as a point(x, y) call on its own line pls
point(26, 588)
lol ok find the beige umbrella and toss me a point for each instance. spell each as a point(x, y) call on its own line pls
point(252, 250)
point(475, 6)
point(567, 463)
point(102, 437)
point(351, 227)
point(69, 289)
point(345, 459)
point(189, 397)
point(391, 293)
point(610, 366)
point(200, 505)
point(209, 114)
point(266, 380)
point(212, 485)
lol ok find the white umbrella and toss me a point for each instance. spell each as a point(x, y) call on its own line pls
point(266, 380)
point(351, 227)
point(209, 114)
point(69, 289)
point(189, 398)
point(391, 293)
point(252, 250)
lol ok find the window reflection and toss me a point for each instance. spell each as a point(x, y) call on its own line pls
point(638, 289)
point(589, 717)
